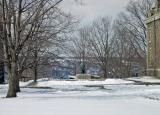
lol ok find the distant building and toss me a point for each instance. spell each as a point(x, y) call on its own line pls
point(3, 70)
point(136, 70)
point(65, 67)
point(1, 73)
point(124, 68)
point(1, 64)
point(1, 53)
point(93, 70)
point(62, 68)
point(153, 34)
point(60, 72)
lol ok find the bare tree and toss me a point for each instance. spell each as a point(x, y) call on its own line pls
point(133, 20)
point(99, 39)
point(124, 52)
point(79, 48)
point(21, 20)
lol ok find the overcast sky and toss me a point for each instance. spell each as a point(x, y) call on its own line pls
point(94, 8)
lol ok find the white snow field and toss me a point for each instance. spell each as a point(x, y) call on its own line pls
point(82, 98)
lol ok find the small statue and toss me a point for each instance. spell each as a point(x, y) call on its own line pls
point(83, 68)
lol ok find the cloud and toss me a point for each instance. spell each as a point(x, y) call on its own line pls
point(94, 8)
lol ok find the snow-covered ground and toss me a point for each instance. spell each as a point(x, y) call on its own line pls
point(79, 107)
point(147, 79)
point(117, 97)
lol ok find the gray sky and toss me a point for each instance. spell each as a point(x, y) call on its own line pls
point(94, 8)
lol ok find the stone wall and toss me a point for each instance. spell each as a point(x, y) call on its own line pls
point(83, 77)
point(153, 42)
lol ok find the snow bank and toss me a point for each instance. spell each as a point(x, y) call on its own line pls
point(23, 84)
point(117, 81)
point(53, 83)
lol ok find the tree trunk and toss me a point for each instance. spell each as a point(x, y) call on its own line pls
point(12, 80)
point(105, 73)
point(17, 86)
point(19, 74)
point(35, 66)
point(35, 74)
